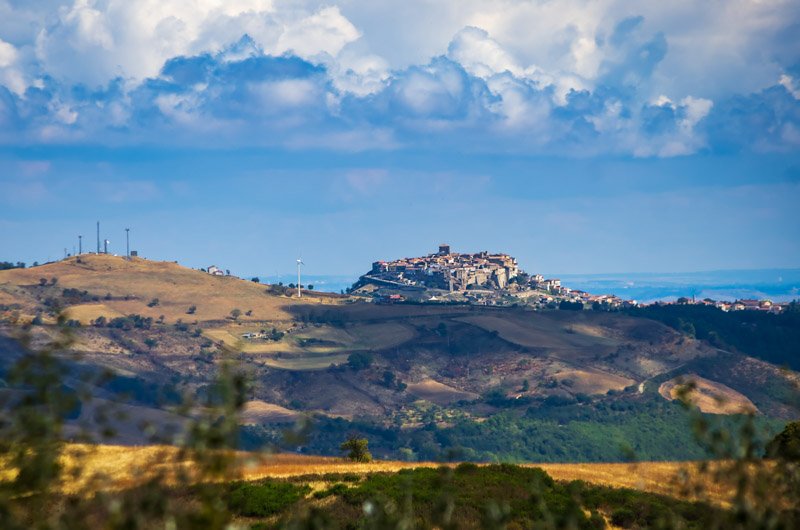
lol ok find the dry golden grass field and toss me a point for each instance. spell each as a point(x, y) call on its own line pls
point(709, 396)
point(439, 393)
point(140, 281)
point(114, 467)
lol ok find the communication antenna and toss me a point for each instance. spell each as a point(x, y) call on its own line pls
point(98, 237)
point(127, 243)
point(80, 245)
point(299, 263)
point(105, 245)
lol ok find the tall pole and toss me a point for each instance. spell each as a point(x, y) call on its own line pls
point(105, 246)
point(299, 262)
point(98, 237)
point(80, 245)
point(127, 243)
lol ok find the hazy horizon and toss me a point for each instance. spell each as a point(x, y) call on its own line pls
point(575, 136)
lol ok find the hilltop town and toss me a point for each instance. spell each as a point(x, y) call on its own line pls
point(480, 278)
point(495, 279)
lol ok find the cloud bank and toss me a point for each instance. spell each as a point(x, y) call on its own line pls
point(567, 78)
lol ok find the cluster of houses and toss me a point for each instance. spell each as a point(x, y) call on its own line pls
point(485, 278)
point(446, 270)
point(738, 305)
point(480, 278)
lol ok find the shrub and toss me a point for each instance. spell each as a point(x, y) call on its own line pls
point(786, 445)
point(624, 517)
point(336, 489)
point(359, 360)
point(154, 302)
point(467, 467)
point(191, 310)
point(265, 499)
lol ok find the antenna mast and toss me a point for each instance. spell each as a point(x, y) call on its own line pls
point(299, 262)
point(127, 243)
point(98, 237)
point(80, 245)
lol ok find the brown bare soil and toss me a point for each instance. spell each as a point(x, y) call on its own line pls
point(708, 396)
point(439, 393)
point(258, 412)
point(589, 381)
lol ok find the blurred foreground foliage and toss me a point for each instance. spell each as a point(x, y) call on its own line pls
point(44, 485)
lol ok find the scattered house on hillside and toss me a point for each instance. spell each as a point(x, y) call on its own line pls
point(750, 304)
point(215, 271)
point(390, 299)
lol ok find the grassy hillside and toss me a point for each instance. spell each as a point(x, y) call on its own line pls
point(147, 486)
point(115, 286)
point(421, 381)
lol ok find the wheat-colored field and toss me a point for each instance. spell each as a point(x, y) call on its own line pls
point(113, 466)
point(709, 396)
point(140, 281)
point(439, 393)
point(306, 362)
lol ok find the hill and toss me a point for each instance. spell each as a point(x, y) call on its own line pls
point(112, 286)
point(277, 491)
point(121, 466)
point(421, 381)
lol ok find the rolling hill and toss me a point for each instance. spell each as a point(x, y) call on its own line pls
point(422, 381)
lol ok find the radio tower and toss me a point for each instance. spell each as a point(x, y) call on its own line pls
point(127, 243)
point(80, 245)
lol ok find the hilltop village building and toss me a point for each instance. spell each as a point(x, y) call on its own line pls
point(494, 279)
point(448, 270)
point(481, 278)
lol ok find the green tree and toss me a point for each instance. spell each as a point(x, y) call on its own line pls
point(192, 309)
point(357, 449)
point(236, 313)
point(359, 360)
point(786, 445)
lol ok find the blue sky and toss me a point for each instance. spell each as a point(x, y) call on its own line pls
point(579, 136)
